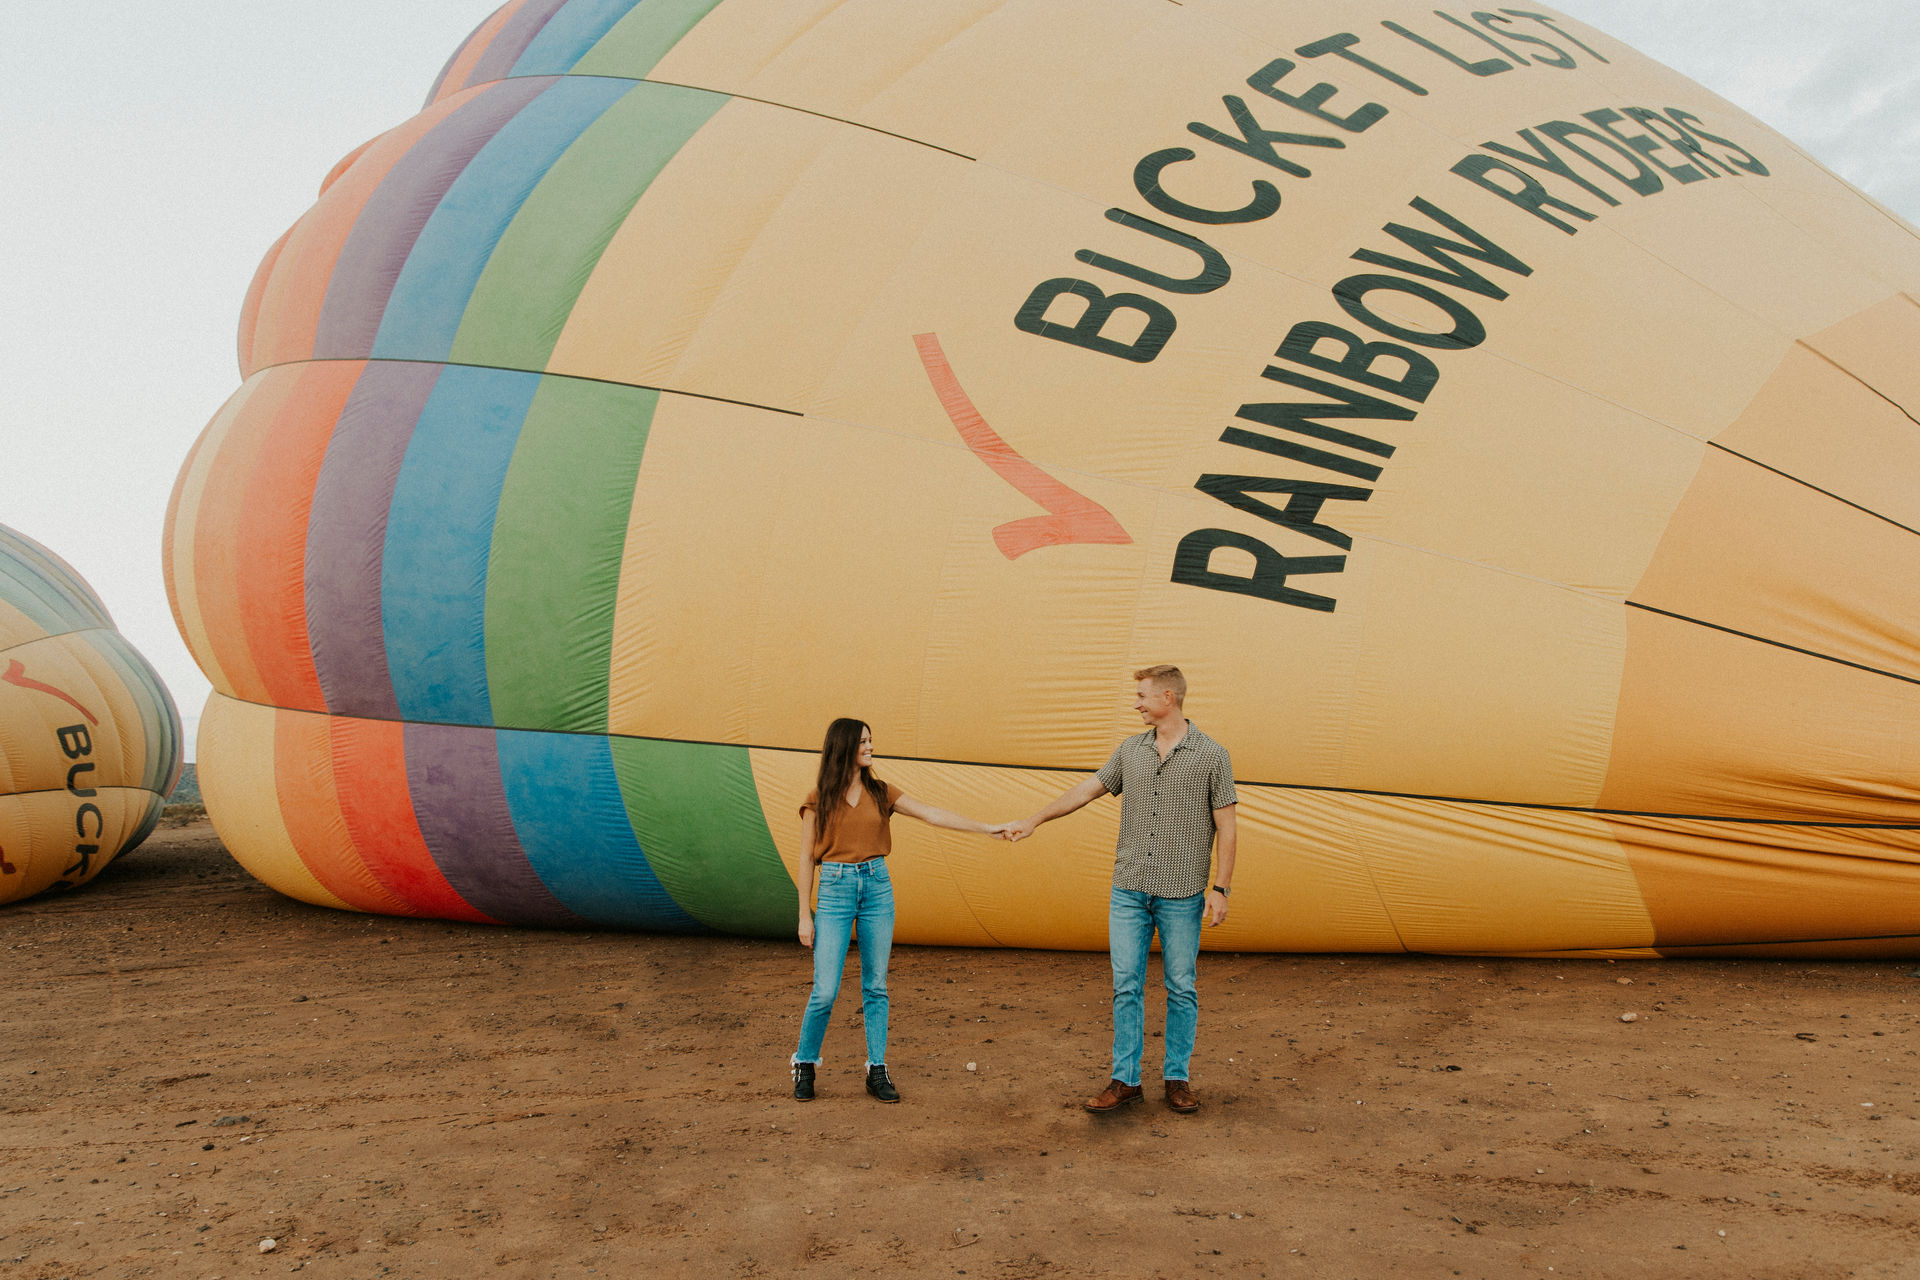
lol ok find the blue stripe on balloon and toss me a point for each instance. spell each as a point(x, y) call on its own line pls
point(44, 588)
point(428, 300)
point(569, 34)
point(572, 822)
point(433, 579)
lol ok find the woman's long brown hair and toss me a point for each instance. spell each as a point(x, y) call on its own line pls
point(839, 758)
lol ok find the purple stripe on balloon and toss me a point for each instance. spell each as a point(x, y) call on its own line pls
point(384, 234)
point(453, 773)
point(347, 537)
point(521, 30)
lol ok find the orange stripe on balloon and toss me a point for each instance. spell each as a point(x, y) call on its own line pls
point(250, 309)
point(219, 551)
point(179, 535)
point(290, 305)
point(345, 163)
point(310, 806)
point(273, 529)
point(1071, 517)
point(370, 776)
point(475, 48)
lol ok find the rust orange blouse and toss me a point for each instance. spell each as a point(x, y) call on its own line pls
point(856, 834)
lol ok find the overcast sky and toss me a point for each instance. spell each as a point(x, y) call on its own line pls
point(153, 151)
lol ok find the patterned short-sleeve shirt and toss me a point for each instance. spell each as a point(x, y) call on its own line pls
point(1166, 811)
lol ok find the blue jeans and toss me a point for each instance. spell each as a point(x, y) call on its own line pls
point(1132, 917)
point(850, 892)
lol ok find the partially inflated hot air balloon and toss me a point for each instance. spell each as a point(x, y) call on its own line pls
point(1513, 442)
point(89, 738)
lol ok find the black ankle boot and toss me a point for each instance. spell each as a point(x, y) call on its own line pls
point(803, 1082)
point(879, 1086)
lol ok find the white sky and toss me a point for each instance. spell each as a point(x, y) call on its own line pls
point(153, 152)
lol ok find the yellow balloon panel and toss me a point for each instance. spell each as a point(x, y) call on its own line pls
point(1869, 463)
point(237, 741)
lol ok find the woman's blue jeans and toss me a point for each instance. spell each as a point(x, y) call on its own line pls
point(850, 893)
point(1132, 917)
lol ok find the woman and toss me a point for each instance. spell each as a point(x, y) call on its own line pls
point(845, 833)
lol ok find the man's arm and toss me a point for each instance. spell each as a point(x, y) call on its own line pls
point(1226, 831)
point(1075, 797)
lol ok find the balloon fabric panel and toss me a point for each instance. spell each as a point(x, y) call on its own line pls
point(347, 535)
point(533, 277)
point(236, 451)
point(423, 312)
point(571, 818)
point(460, 798)
point(455, 75)
point(569, 32)
point(256, 298)
point(387, 228)
point(315, 825)
point(550, 625)
point(439, 538)
point(367, 755)
point(271, 524)
point(295, 295)
point(696, 811)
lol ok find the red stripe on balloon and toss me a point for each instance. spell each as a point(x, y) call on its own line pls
point(16, 674)
point(370, 778)
point(1071, 517)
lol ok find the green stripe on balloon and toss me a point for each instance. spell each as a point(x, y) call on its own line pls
point(549, 618)
point(535, 274)
point(643, 37)
point(696, 811)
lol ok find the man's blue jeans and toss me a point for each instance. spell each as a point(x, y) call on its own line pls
point(1132, 917)
point(850, 893)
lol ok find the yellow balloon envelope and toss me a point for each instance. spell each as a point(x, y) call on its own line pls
point(89, 738)
point(1512, 441)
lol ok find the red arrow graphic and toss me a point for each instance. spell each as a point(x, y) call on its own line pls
point(17, 675)
point(1071, 517)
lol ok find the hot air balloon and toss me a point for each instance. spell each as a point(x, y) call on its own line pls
point(1513, 442)
point(91, 737)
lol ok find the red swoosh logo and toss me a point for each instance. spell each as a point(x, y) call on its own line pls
point(17, 675)
point(1071, 517)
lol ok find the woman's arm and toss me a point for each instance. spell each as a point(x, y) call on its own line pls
point(942, 818)
point(806, 879)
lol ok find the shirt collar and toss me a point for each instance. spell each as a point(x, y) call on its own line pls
point(1146, 737)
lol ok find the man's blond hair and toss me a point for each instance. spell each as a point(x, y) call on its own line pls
point(1166, 677)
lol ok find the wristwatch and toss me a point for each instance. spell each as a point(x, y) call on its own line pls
point(1223, 891)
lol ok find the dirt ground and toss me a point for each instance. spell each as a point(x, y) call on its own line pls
point(193, 1064)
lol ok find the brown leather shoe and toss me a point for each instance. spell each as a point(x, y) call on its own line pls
point(1113, 1097)
point(1180, 1097)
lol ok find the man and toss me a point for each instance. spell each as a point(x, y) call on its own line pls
point(1176, 794)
